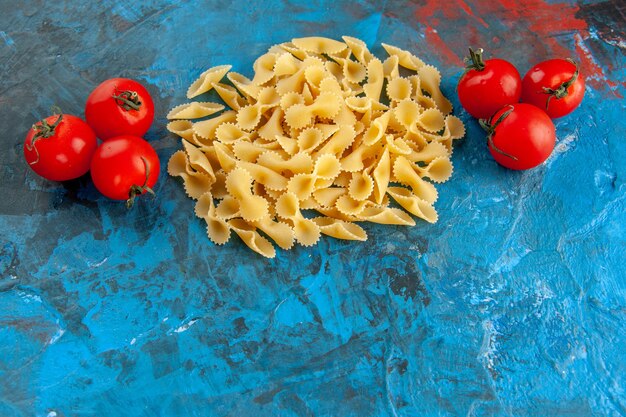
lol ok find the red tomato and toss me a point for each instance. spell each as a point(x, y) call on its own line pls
point(520, 136)
point(489, 85)
point(60, 147)
point(554, 85)
point(119, 106)
point(125, 167)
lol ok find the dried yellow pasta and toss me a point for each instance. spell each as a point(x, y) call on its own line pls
point(206, 80)
point(195, 183)
point(413, 204)
point(194, 110)
point(340, 229)
point(319, 45)
point(230, 95)
point(359, 49)
point(322, 126)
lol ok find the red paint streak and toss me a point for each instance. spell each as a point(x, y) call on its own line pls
point(591, 70)
point(433, 39)
point(469, 12)
point(544, 19)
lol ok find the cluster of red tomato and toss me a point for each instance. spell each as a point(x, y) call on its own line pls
point(119, 111)
point(520, 135)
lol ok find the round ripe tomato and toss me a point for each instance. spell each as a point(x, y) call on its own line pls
point(488, 85)
point(554, 85)
point(125, 167)
point(60, 147)
point(520, 136)
point(119, 106)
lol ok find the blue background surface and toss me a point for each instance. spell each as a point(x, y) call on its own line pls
point(513, 304)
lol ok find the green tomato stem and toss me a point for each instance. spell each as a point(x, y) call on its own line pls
point(128, 100)
point(561, 91)
point(137, 190)
point(475, 60)
point(44, 130)
point(490, 128)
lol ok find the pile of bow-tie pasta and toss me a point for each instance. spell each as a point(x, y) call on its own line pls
point(323, 127)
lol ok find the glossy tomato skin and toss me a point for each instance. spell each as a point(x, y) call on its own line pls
point(66, 154)
point(526, 133)
point(110, 116)
point(483, 92)
point(123, 162)
point(551, 74)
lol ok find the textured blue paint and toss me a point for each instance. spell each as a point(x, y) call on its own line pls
point(512, 305)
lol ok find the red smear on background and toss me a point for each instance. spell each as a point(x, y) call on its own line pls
point(433, 38)
point(528, 31)
point(591, 70)
point(469, 12)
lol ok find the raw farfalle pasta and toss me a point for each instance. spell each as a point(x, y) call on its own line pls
point(322, 135)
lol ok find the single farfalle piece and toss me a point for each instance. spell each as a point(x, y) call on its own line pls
point(319, 45)
point(194, 110)
point(299, 163)
point(338, 142)
point(430, 120)
point(406, 113)
point(244, 85)
point(230, 95)
point(239, 184)
point(273, 127)
point(353, 71)
point(399, 89)
point(405, 58)
point(381, 176)
point(198, 160)
point(438, 170)
point(326, 105)
point(377, 129)
point(340, 229)
point(286, 64)
point(327, 197)
point(182, 128)
point(314, 75)
point(218, 229)
point(386, 215)
point(413, 204)
point(430, 82)
point(206, 80)
point(307, 233)
point(359, 49)
point(361, 186)
point(375, 79)
point(195, 183)
point(391, 68)
point(230, 133)
point(280, 232)
point(327, 166)
point(206, 128)
point(397, 146)
point(429, 152)
point(309, 139)
point(263, 175)
point(404, 172)
point(264, 68)
point(248, 234)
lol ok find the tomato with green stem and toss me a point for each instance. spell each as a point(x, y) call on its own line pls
point(488, 85)
point(555, 85)
point(119, 106)
point(125, 167)
point(60, 147)
point(520, 136)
